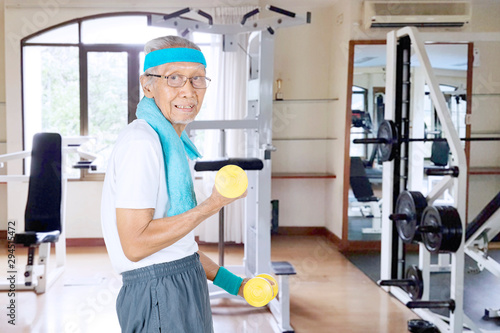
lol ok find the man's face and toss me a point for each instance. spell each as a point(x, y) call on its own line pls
point(179, 105)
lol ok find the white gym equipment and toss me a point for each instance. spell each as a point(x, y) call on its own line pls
point(457, 319)
point(37, 276)
point(258, 127)
point(476, 237)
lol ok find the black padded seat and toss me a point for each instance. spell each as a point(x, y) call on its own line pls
point(360, 184)
point(215, 165)
point(36, 238)
point(283, 268)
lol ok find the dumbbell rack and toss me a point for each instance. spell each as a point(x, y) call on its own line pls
point(400, 175)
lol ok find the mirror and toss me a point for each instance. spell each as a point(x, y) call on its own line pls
point(366, 103)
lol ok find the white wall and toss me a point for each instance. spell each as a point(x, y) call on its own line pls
point(83, 209)
point(339, 47)
point(301, 122)
point(485, 106)
point(485, 120)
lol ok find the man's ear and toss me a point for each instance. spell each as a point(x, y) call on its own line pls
point(146, 86)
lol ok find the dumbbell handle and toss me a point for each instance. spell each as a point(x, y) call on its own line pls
point(397, 283)
point(398, 217)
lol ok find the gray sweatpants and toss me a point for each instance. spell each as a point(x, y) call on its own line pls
point(169, 297)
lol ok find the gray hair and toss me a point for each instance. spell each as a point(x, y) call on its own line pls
point(168, 42)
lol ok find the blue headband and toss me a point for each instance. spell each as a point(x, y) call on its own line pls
point(174, 54)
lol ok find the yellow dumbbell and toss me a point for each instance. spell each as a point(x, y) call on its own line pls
point(231, 181)
point(258, 291)
point(275, 283)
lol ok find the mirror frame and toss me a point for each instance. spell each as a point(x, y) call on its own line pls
point(357, 245)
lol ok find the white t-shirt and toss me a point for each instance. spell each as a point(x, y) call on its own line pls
point(135, 179)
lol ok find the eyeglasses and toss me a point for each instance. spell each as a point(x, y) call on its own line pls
point(177, 80)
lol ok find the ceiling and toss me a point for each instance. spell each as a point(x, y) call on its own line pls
point(442, 56)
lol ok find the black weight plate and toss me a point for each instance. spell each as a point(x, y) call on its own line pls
point(387, 131)
point(432, 217)
point(452, 229)
point(421, 326)
point(448, 222)
point(416, 290)
point(411, 204)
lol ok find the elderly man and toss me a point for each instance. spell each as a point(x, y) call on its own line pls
point(149, 209)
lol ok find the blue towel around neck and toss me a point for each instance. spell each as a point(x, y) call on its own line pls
point(177, 173)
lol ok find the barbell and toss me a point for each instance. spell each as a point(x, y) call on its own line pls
point(388, 140)
point(439, 228)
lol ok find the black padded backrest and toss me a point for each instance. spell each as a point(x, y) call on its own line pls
point(483, 216)
point(360, 184)
point(43, 208)
point(440, 153)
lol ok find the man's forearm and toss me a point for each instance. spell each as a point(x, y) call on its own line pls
point(142, 236)
point(210, 267)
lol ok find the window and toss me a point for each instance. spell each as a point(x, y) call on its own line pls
point(358, 127)
point(456, 102)
point(82, 79)
point(358, 98)
point(51, 90)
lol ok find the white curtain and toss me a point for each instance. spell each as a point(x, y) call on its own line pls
point(227, 101)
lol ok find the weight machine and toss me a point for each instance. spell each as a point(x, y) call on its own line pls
point(397, 178)
point(45, 221)
point(412, 218)
point(258, 127)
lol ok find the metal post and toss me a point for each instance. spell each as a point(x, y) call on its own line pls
point(221, 212)
point(387, 180)
point(221, 237)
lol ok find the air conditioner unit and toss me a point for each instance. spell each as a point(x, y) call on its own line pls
point(390, 14)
